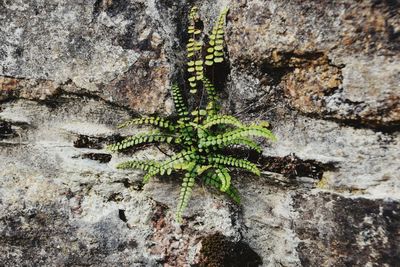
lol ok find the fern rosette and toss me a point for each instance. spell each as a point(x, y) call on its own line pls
point(203, 134)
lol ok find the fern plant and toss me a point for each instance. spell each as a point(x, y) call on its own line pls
point(200, 135)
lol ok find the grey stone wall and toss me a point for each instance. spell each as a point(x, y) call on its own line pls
point(325, 74)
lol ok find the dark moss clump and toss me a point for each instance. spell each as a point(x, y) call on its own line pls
point(218, 251)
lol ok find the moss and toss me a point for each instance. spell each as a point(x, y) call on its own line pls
point(217, 251)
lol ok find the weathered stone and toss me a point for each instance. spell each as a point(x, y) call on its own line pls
point(338, 60)
point(6, 130)
point(27, 88)
point(337, 231)
point(99, 216)
point(325, 75)
point(143, 88)
point(112, 49)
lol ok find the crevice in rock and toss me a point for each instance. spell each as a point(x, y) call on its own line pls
point(284, 62)
point(6, 130)
point(122, 216)
point(274, 73)
point(292, 166)
point(85, 94)
point(85, 141)
point(12, 88)
point(389, 128)
point(357, 122)
point(100, 157)
point(289, 166)
point(57, 97)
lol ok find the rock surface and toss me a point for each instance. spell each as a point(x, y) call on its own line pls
point(326, 76)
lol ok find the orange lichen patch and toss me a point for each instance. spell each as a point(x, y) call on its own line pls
point(307, 86)
point(308, 76)
point(298, 58)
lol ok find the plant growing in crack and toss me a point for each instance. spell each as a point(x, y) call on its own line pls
point(200, 135)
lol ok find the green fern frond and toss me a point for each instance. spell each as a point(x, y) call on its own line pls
point(224, 138)
point(234, 162)
point(203, 168)
point(198, 115)
point(242, 141)
point(210, 89)
point(186, 192)
point(187, 132)
point(215, 52)
point(213, 180)
point(193, 49)
point(179, 102)
point(149, 137)
point(212, 105)
point(201, 133)
point(193, 15)
point(138, 164)
point(199, 112)
point(222, 119)
point(149, 175)
point(180, 161)
point(225, 178)
point(155, 121)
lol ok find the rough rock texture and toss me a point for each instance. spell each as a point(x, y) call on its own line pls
point(331, 60)
point(113, 49)
point(326, 74)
